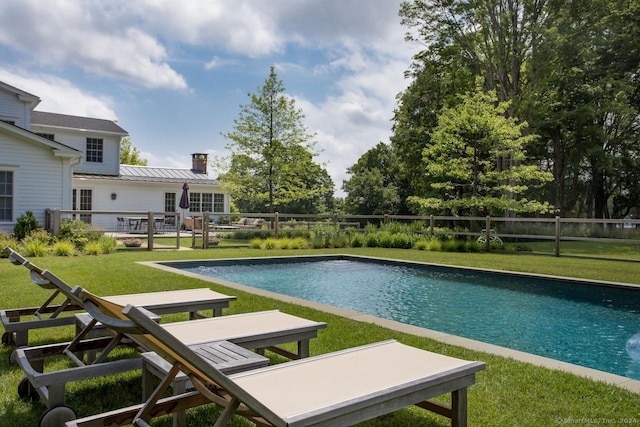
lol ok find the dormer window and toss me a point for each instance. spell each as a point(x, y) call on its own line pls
point(94, 150)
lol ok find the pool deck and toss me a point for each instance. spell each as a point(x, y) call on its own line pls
point(594, 374)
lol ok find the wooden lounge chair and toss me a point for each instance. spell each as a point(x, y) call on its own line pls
point(19, 321)
point(255, 331)
point(335, 389)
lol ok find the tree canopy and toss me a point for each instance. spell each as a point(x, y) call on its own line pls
point(477, 162)
point(570, 69)
point(130, 155)
point(271, 164)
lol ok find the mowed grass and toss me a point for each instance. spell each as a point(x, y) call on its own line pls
point(507, 393)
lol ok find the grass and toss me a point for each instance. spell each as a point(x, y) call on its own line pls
point(508, 392)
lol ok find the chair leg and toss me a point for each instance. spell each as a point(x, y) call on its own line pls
point(226, 415)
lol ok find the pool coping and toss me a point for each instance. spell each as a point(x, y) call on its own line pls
point(594, 374)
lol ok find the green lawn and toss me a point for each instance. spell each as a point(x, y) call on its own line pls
point(507, 392)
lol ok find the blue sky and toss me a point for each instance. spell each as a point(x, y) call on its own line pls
point(174, 73)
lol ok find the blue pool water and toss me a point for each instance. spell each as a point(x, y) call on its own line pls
point(569, 321)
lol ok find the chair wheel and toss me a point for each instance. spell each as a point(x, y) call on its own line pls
point(13, 356)
point(8, 338)
point(57, 416)
point(26, 391)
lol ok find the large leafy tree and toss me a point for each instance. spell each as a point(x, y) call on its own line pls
point(584, 104)
point(373, 187)
point(271, 164)
point(130, 155)
point(464, 164)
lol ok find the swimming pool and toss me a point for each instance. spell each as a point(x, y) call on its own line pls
point(569, 320)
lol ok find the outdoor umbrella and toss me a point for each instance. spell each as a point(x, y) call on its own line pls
point(184, 200)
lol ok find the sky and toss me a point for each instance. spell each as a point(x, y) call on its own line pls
point(174, 74)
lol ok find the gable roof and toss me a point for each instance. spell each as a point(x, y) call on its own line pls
point(75, 122)
point(22, 95)
point(155, 174)
point(59, 149)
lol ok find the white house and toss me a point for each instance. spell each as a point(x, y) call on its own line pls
point(58, 161)
point(35, 173)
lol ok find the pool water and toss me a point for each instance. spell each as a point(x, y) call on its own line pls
point(568, 321)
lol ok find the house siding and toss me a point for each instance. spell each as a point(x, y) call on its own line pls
point(38, 177)
point(14, 110)
point(78, 139)
point(135, 196)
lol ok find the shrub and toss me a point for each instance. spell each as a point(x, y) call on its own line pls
point(340, 241)
point(421, 244)
point(371, 240)
point(317, 243)
point(270, 243)
point(92, 248)
point(401, 241)
point(284, 243)
point(25, 224)
point(385, 239)
point(299, 243)
point(63, 248)
point(107, 244)
point(78, 232)
point(435, 245)
point(357, 241)
point(453, 246)
point(35, 248)
point(473, 246)
point(256, 243)
point(7, 240)
point(40, 236)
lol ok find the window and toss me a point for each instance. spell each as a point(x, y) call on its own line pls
point(49, 136)
point(169, 202)
point(194, 202)
point(94, 150)
point(206, 202)
point(218, 203)
point(6, 196)
point(84, 203)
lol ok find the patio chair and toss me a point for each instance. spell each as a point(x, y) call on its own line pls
point(15, 323)
point(253, 331)
point(18, 322)
point(334, 389)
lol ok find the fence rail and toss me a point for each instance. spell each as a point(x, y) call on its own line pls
point(485, 229)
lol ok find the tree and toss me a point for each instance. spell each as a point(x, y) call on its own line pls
point(464, 162)
point(130, 155)
point(372, 188)
point(271, 163)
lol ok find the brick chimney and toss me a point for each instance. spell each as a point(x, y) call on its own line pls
point(199, 163)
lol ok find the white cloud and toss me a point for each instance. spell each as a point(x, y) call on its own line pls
point(61, 33)
point(59, 95)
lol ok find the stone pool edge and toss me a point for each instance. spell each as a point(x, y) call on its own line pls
point(593, 374)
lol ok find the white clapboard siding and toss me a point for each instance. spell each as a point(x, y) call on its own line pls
point(38, 177)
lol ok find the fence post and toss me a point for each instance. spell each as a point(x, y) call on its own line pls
point(431, 225)
point(487, 234)
point(177, 220)
point(336, 225)
point(150, 231)
point(386, 219)
point(276, 225)
point(557, 236)
point(205, 230)
point(56, 222)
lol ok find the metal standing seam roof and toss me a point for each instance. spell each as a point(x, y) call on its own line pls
point(75, 122)
point(155, 174)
